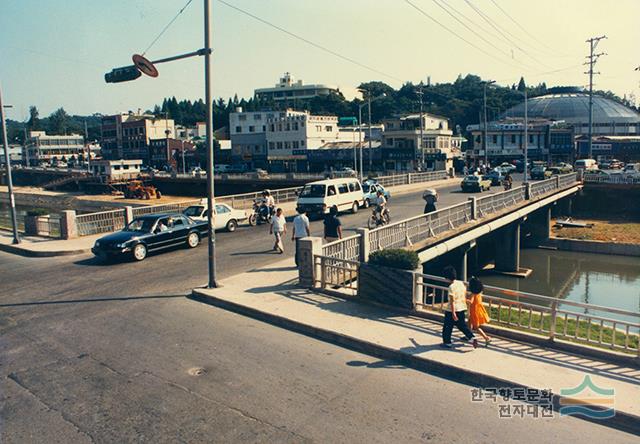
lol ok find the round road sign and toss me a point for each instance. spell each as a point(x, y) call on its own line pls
point(144, 65)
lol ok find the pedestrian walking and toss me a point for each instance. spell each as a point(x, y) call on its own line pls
point(430, 197)
point(332, 225)
point(478, 315)
point(278, 228)
point(455, 309)
point(300, 230)
point(465, 170)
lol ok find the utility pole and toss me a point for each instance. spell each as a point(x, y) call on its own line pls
point(526, 135)
point(25, 148)
point(360, 140)
point(86, 141)
point(592, 59)
point(420, 147)
point(7, 159)
point(484, 126)
point(370, 148)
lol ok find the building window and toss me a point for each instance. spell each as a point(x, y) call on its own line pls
point(287, 145)
point(328, 128)
point(238, 129)
point(513, 138)
point(494, 139)
point(295, 126)
point(302, 124)
point(279, 145)
point(319, 128)
point(272, 127)
point(302, 143)
point(242, 117)
point(530, 138)
point(264, 128)
point(272, 145)
point(252, 129)
point(257, 117)
point(288, 127)
point(279, 126)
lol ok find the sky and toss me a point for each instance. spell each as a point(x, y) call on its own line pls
point(55, 53)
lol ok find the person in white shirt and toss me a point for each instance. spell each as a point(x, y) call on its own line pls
point(455, 309)
point(278, 229)
point(268, 201)
point(300, 229)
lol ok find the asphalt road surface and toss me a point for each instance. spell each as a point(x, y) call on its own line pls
point(92, 356)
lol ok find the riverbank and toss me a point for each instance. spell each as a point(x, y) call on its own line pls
point(621, 231)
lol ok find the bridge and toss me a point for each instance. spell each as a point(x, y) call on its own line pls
point(475, 232)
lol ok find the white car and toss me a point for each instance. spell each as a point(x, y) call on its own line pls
point(226, 216)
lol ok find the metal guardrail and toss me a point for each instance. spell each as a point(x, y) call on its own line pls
point(102, 222)
point(542, 315)
point(543, 187)
point(497, 202)
point(48, 226)
point(409, 178)
point(164, 208)
point(336, 273)
point(418, 228)
point(245, 201)
point(611, 178)
point(347, 248)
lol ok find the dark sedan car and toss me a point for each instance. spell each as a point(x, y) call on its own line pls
point(150, 233)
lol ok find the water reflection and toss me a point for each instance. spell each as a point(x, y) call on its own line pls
point(610, 281)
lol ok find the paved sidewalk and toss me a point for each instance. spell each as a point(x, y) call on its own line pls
point(271, 294)
point(34, 246)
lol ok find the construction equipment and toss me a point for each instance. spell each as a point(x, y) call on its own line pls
point(136, 189)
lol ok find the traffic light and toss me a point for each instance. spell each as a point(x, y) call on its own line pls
point(124, 74)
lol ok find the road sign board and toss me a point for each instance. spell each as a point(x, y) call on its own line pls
point(144, 65)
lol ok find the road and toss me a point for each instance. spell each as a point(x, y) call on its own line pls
point(88, 356)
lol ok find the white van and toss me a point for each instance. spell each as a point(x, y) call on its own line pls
point(586, 164)
point(318, 197)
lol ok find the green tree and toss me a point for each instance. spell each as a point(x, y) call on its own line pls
point(58, 122)
point(522, 85)
point(34, 121)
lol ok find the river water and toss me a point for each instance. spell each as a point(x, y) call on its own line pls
point(598, 279)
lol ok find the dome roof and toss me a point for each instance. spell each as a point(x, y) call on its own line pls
point(574, 108)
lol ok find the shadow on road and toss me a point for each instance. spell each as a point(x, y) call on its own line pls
point(74, 301)
point(249, 253)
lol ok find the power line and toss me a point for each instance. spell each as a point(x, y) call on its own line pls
point(522, 27)
point(497, 28)
point(421, 11)
point(309, 42)
point(166, 27)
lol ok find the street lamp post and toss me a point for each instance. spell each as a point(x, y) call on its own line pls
point(484, 136)
point(420, 146)
point(360, 139)
point(370, 141)
point(7, 159)
point(526, 136)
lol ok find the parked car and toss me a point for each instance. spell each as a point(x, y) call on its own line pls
point(552, 171)
point(615, 164)
point(475, 183)
point(495, 176)
point(370, 189)
point(319, 196)
point(564, 167)
point(538, 172)
point(586, 164)
point(631, 170)
point(149, 233)
point(227, 218)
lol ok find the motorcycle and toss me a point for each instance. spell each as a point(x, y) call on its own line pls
point(377, 219)
point(261, 213)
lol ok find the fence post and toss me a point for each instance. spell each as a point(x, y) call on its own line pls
point(408, 178)
point(527, 191)
point(309, 248)
point(418, 290)
point(552, 324)
point(474, 207)
point(557, 181)
point(128, 214)
point(68, 226)
point(364, 244)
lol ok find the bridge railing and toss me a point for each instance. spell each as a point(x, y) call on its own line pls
point(102, 222)
point(542, 187)
point(418, 228)
point(497, 202)
point(336, 273)
point(347, 248)
point(409, 178)
point(611, 178)
point(542, 315)
point(164, 208)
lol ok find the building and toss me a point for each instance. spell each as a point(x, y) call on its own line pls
point(624, 148)
point(403, 133)
point(289, 91)
point(342, 154)
point(198, 131)
point(42, 147)
point(115, 170)
point(167, 152)
point(291, 135)
point(127, 136)
point(548, 140)
point(15, 154)
point(610, 118)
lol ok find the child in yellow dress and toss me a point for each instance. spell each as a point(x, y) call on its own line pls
point(478, 316)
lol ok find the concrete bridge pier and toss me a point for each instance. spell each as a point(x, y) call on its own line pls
point(537, 227)
point(508, 249)
point(563, 207)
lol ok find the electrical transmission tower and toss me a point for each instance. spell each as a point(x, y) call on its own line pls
point(592, 59)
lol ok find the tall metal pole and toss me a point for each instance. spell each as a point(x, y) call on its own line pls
point(360, 139)
point(370, 150)
point(420, 146)
point(211, 243)
point(484, 136)
point(86, 141)
point(526, 135)
point(7, 159)
point(590, 98)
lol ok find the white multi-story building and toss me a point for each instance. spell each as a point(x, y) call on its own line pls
point(290, 136)
point(42, 147)
point(288, 89)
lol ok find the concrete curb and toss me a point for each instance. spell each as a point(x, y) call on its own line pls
point(622, 421)
point(13, 249)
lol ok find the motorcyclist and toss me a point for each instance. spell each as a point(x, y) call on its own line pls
point(507, 181)
point(381, 204)
point(268, 201)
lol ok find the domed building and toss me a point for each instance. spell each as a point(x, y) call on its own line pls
point(610, 118)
